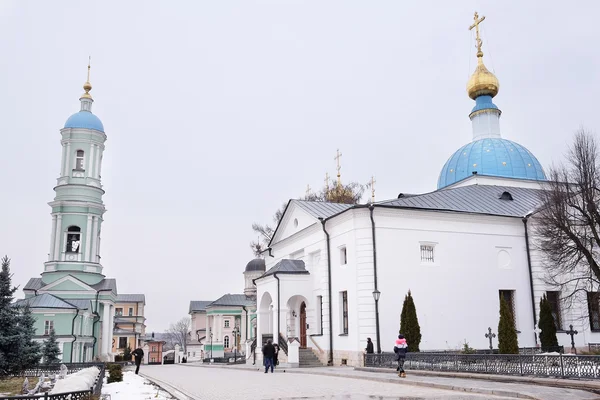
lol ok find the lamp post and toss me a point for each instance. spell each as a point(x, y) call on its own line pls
point(211, 346)
point(376, 295)
point(235, 334)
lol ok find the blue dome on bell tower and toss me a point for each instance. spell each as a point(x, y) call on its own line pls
point(488, 154)
point(84, 118)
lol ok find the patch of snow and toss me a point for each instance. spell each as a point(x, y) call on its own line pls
point(80, 380)
point(134, 387)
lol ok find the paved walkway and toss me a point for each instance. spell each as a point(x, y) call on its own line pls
point(215, 383)
point(520, 387)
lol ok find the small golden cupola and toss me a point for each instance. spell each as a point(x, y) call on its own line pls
point(482, 82)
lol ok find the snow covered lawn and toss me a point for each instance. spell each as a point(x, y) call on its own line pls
point(133, 387)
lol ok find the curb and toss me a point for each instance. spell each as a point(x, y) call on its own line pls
point(589, 386)
point(176, 392)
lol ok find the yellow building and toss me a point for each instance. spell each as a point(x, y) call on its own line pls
point(130, 323)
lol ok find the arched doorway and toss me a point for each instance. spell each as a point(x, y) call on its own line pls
point(303, 325)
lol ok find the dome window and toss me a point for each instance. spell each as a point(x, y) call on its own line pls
point(73, 239)
point(79, 160)
point(506, 196)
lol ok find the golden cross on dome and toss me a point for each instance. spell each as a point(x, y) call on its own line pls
point(373, 181)
point(339, 167)
point(89, 66)
point(477, 37)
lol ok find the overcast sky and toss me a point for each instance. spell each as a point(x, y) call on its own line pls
point(219, 111)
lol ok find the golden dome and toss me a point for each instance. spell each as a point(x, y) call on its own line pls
point(87, 86)
point(482, 82)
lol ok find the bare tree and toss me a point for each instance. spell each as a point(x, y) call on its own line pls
point(333, 192)
point(568, 223)
point(178, 333)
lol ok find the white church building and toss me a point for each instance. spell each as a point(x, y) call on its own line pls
point(457, 249)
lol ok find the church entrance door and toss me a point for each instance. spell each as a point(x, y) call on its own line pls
point(303, 325)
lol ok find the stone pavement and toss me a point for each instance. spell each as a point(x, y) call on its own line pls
point(520, 387)
point(215, 383)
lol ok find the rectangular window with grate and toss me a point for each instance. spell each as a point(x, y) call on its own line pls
point(554, 301)
point(343, 256)
point(122, 342)
point(130, 312)
point(428, 253)
point(593, 299)
point(344, 312)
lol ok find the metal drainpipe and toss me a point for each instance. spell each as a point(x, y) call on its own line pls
point(73, 333)
point(371, 208)
point(330, 362)
point(530, 277)
point(278, 306)
point(96, 320)
point(246, 311)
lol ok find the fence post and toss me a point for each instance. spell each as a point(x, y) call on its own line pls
point(485, 362)
point(46, 396)
point(562, 368)
point(456, 362)
point(521, 364)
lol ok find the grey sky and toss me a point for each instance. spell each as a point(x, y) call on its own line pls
point(218, 111)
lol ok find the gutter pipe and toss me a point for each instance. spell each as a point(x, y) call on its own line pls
point(330, 362)
point(246, 311)
point(525, 219)
point(371, 208)
point(278, 306)
point(73, 333)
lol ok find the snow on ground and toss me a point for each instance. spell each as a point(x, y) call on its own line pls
point(134, 387)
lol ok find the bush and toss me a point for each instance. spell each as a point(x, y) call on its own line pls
point(115, 372)
point(467, 349)
point(118, 358)
point(409, 324)
point(507, 334)
point(127, 354)
point(547, 326)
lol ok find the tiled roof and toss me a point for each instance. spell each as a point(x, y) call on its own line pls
point(286, 266)
point(322, 209)
point(131, 298)
point(44, 300)
point(198, 305)
point(477, 199)
point(233, 300)
point(104, 284)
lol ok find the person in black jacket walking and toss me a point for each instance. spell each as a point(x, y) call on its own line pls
point(138, 354)
point(401, 348)
point(369, 348)
point(268, 351)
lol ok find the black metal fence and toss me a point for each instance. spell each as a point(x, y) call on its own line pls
point(561, 366)
point(47, 370)
point(81, 395)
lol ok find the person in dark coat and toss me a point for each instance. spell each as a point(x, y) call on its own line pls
point(268, 351)
point(276, 355)
point(401, 348)
point(369, 348)
point(138, 354)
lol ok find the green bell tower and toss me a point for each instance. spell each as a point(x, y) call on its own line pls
point(77, 209)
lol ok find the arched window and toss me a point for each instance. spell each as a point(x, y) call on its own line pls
point(226, 342)
point(73, 239)
point(79, 160)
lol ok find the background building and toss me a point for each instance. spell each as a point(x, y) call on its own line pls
point(130, 323)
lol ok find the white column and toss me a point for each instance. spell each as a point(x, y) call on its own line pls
point(110, 328)
point(68, 159)
point(52, 238)
point(90, 163)
point(57, 237)
point(62, 160)
point(88, 239)
point(105, 330)
point(93, 257)
point(98, 155)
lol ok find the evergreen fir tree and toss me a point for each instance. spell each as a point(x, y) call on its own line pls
point(409, 323)
point(127, 354)
point(9, 332)
point(51, 352)
point(30, 350)
point(547, 326)
point(507, 334)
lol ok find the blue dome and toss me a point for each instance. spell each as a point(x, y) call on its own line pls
point(84, 119)
point(494, 157)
